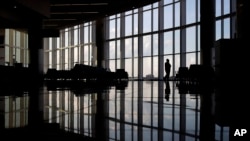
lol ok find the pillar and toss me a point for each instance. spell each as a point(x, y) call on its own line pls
point(242, 19)
point(35, 43)
point(100, 42)
point(207, 30)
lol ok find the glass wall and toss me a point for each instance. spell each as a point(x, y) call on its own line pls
point(15, 48)
point(141, 39)
point(165, 29)
point(74, 46)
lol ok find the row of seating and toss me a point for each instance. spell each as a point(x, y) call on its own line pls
point(196, 73)
point(86, 72)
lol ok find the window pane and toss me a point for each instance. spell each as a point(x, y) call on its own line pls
point(86, 34)
point(76, 36)
point(218, 8)
point(227, 28)
point(50, 58)
point(135, 23)
point(155, 66)
point(58, 57)
point(112, 29)
point(190, 11)
point(112, 65)
point(118, 27)
point(66, 39)
point(155, 5)
point(190, 59)
point(18, 36)
point(177, 14)
point(135, 68)
point(190, 39)
point(112, 50)
point(168, 16)
point(118, 49)
point(135, 47)
point(128, 48)
point(66, 59)
point(155, 19)
point(177, 63)
point(155, 44)
point(147, 45)
point(226, 7)
point(146, 66)
point(7, 36)
point(177, 41)
point(118, 63)
point(75, 55)
point(57, 42)
point(199, 38)
point(86, 55)
point(218, 30)
point(128, 66)
point(128, 25)
point(168, 42)
point(147, 21)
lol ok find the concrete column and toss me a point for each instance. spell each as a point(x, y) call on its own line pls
point(242, 20)
point(35, 43)
point(207, 11)
point(100, 41)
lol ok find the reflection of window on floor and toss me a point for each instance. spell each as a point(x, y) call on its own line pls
point(15, 110)
point(140, 112)
point(74, 113)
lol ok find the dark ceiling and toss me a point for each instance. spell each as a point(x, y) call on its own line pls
point(58, 14)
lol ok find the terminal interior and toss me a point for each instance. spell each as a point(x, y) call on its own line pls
point(50, 89)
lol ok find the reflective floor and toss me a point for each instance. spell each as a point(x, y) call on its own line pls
point(129, 111)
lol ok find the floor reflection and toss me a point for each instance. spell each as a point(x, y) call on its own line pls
point(138, 111)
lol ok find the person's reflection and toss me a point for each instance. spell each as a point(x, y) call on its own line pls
point(167, 90)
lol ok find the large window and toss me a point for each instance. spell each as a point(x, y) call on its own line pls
point(15, 48)
point(153, 39)
point(74, 46)
point(165, 29)
point(139, 40)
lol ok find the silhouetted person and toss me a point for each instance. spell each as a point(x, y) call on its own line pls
point(167, 91)
point(167, 69)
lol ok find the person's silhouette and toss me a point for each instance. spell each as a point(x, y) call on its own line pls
point(167, 69)
point(167, 91)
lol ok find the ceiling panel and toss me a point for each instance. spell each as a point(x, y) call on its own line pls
point(65, 13)
point(58, 14)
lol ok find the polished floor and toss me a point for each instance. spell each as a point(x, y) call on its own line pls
point(128, 111)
